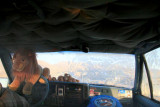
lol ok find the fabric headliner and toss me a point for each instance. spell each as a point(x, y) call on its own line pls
point(58, 25)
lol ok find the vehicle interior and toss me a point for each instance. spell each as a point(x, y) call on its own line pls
point(110, 47)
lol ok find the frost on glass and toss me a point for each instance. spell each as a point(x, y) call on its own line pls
point(153, 61)
point(93, 68)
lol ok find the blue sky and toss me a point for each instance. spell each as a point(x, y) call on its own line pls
point(55, 57)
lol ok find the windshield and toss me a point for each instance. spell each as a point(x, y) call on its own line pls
point(93, 68)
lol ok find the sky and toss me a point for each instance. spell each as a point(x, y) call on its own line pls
point(55, 57)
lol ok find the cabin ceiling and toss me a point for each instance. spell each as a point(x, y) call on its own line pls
point(79, 25)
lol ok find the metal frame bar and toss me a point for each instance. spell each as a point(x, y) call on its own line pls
point(138, 75)
point(149, 76)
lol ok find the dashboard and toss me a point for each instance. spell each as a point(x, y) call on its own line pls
point(66, 94)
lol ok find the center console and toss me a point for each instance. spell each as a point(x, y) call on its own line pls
point(67, 94)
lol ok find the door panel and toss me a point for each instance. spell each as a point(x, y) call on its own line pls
point(141, 101)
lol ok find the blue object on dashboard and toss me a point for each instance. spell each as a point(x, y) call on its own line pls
point(104, 101)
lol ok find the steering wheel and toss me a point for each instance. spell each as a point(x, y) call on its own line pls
point(39, 93)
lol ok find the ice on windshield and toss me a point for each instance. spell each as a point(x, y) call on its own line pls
point(93, 68)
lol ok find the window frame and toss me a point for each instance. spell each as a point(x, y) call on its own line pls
point(138, 75)
point(148, 76)
point(143, 61)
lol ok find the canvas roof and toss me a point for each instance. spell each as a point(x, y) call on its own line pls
point(80, 25)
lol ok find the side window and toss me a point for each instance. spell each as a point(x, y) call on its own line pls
point(153, 61)
point(3, 75)
point(145, 89)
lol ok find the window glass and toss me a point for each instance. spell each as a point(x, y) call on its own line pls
point(153, 61)
point(93, 68)
point(3, 75)
point(145, 89)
